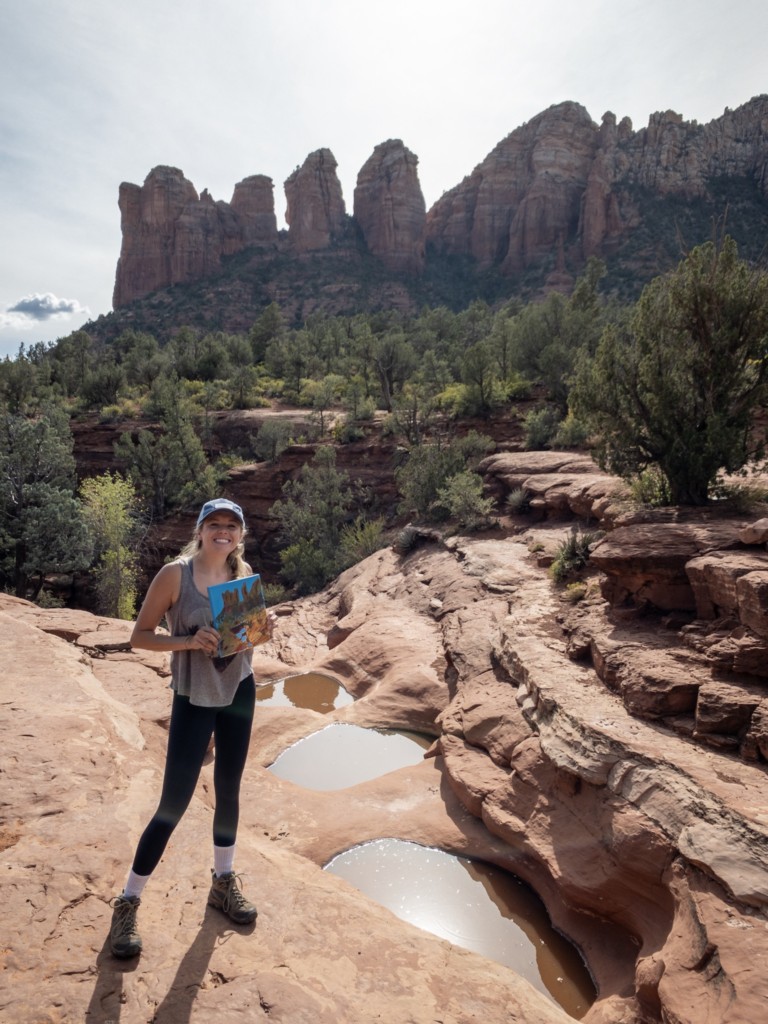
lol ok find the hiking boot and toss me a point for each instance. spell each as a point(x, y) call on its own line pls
point(124, 940)
point(227, 897)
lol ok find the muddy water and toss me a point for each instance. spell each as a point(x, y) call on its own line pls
point(312, 690)
point(474, 905)
point(344, 755)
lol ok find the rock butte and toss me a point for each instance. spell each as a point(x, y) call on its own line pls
point(611, 753)
point(558, 183)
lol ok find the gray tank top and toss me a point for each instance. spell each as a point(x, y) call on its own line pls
point(208, 682)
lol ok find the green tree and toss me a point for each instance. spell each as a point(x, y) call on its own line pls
point(394, 360)
point(430, 467)
point(70, 362)
point(41, 525)
point(268, 326)
point(545, 338)
point(678, 388)
point(273, 438)
point(478, 371)
point(18, 381)
point(169, 467)
point(311, 515)
point(112, 512)
point(462, 496)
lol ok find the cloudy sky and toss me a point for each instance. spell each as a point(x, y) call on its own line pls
point(96, 92)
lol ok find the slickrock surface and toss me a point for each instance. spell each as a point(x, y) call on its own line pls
point(561, 754)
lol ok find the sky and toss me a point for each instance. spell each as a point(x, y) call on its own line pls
point(97, 92)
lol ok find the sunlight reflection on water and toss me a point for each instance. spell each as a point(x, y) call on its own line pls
point(476, 906)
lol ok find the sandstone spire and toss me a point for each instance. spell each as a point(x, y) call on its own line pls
point(389, 206)
point(316, 213)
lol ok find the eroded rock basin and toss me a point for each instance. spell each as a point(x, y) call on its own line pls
point(473, 905)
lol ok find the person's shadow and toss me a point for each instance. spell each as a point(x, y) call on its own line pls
point(176, 1008)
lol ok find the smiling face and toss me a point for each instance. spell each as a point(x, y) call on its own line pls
point(221, 531)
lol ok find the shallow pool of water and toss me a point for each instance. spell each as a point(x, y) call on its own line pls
point(476, 906)
point(343, 755)
point(311, 690)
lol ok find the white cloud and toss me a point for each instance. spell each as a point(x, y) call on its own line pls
point(35, 309)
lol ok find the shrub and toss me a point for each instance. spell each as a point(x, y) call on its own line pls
point(572, 555)
point(539, 428)
point(275, 593)
point(518, 501)
point(575, 592)
point(463, 497)
point(650, 488)
point(360, 539)
point(570, 433)
point(273, 438)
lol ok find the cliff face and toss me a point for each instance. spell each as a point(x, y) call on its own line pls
point(556, 191)
point(390, 208)
point(316, 215)
point(562, 179)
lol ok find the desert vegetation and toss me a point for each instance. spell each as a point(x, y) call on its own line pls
point(664, 392)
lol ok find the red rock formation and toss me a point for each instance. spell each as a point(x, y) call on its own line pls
point(315, 214)
point(389, 207)
point(560, 176)
point(254, 203)
point(525, 196)
point(170, 235)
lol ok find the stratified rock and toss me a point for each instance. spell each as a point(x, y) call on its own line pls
point(315, 214)
point(647, 563)
point(389, 207)
point(171, 235)
point(556, 484)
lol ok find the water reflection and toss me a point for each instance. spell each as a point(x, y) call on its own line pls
point(311, 690)
point(343, 755)
point(474, 905)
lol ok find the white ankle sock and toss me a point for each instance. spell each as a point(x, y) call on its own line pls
point(223, 860)
point(135, 884)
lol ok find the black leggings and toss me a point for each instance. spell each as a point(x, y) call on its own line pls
point(188, 738)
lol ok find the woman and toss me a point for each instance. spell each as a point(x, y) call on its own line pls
point(212, 696)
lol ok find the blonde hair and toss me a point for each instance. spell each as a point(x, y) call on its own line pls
point(235, 560)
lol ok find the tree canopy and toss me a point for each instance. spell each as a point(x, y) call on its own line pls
point(677, 387)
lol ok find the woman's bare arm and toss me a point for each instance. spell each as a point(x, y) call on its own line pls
point(164, 592)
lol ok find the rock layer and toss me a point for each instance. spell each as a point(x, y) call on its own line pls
point(562, 180)
point(554, 192)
